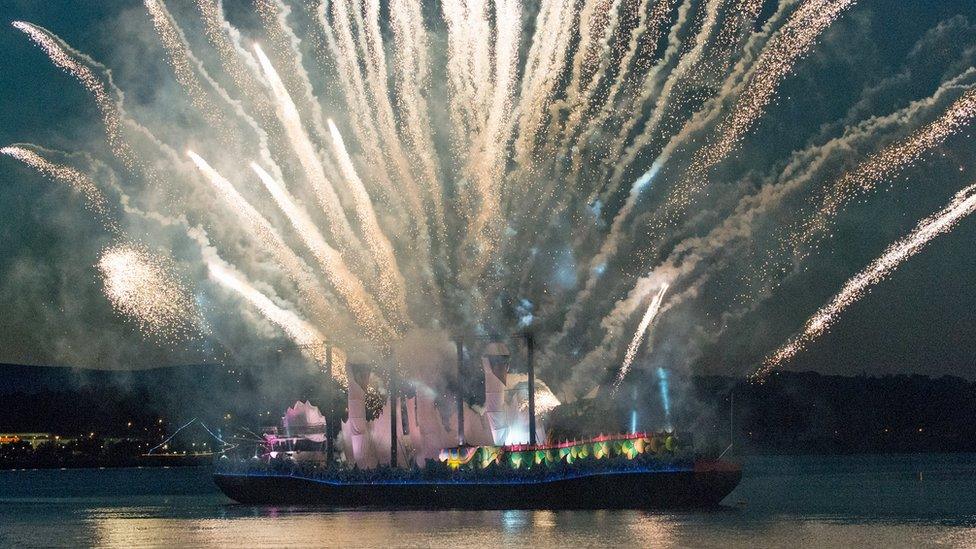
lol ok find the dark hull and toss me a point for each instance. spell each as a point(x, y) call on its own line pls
point(690, 488)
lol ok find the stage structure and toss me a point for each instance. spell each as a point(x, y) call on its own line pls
point(413, 429)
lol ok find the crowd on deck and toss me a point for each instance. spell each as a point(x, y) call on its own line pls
point(547, 465)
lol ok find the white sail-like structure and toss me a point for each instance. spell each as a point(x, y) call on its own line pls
point(495, 364)
point(356, 430)
point(303, 420)
point(427, 430)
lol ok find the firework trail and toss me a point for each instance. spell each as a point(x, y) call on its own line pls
point(616, 101)
point(889, 162)
point(95, 199)
point(790, 43)
point(647, 28)
point(192, 75)
point(306, 337)
point(376, 72)
point(742, 224)
point(360, 48)
point(646, 87)
point(182, 61)
point(390, 280)
point(239, 64)
point(544, 67)
point(598, 21)
point(143, 286)
point(411, 64)
point(469, 79)
point(64, 58)
point(285, 44)
point(468, 64)
point(349, 288)
point(487, 155)
point(226, 43)
point(743, 15)
point(609, 244)
point(963, 204)
point(688, 65)
point(776, 61)
point(642, 330)
point(340, 49)
point(308, 157)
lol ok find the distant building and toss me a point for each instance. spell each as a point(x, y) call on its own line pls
point(34, 439)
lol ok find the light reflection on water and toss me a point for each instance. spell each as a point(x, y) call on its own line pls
point(785, 502)
point(274, 526)
point(481, 529)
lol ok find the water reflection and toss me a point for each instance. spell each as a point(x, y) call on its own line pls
point(651, 530)
point(458, 529)
point(513, 521)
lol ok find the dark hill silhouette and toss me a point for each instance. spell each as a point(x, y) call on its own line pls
point(792, 413)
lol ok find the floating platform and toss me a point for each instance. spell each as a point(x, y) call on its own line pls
point(703, 483)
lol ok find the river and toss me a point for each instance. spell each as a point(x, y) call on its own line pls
point(809, 501)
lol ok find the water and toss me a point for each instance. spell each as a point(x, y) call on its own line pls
point(859, 501)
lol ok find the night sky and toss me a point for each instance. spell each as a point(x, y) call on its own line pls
point(877, 58)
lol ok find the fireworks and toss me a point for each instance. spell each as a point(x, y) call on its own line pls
point(391, 282)
point(143, 286)
point(95, 200)
point(348, 286)
point(883, 165)
point(307, 156)
point(775, 63)
point(180, 58)
point(331, 262)
point(72, 63)
point(642, 330)
point(398, 188)
point(305, 336)
point(963, 204)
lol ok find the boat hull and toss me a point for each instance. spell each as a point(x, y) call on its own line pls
point(700, 486)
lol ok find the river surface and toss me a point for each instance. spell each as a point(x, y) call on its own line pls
point(850, 501)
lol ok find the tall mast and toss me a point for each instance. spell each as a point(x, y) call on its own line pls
point(530, 352)
point(329, 423)
point(460, 390)
point(393, 412)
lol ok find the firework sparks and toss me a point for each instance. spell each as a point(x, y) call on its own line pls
point(64, 58)
point(391, 281)
point(642, 330)
point(342, 279)
point(411, 63)
point(95, 199)
point(180, 58)
point(144, 287)
point(775, 62)
point(461, 178)
point(309, 159)
point(889, 162)
point(306, 337)
point(311, 292)
point(963, 204)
